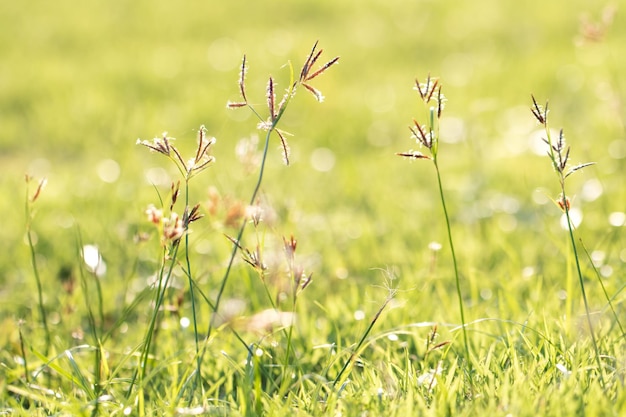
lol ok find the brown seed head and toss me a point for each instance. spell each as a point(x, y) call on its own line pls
point(540, 112)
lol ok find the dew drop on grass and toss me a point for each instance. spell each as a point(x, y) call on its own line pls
point(392, 337)
point(562, 294)
point(184, 322)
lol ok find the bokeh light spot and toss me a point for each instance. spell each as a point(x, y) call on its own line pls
point(322, 159)
point(108, 170)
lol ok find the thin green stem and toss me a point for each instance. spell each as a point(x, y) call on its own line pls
point(582, 289)
point(160, 295)
point(33, 260)
point(193, 299)
point(454, 263)
point(361, 342)
point(241, 230)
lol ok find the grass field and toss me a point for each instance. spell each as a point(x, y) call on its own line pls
point(378, 329)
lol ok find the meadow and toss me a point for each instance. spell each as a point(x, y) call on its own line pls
point(336, 287)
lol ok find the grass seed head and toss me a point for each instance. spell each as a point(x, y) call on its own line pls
point(540, 112)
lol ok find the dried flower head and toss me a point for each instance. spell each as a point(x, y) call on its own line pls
point(192, 215)
point(40, 186)
point(564, 203)
point(307, 74)
point(271, 99)
point(427, 89)
point(422, 135)
point(558, 151)
point(540, 112)
point(154, 215)
point(427, 135)
point(290, 248)
point(173, 227)
point(413, 155)
point(202, 158)
point(200, 161)
point(254, 258)
point(595, 31)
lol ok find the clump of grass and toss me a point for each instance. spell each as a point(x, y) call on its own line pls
point(269, 124)
point(427, 136)
point(173, 229)
point(559, 153)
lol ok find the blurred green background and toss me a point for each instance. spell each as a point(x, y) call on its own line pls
point(81, 81)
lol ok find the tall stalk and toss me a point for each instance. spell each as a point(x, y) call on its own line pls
point(33, 256)
point(457, 278)
point(270, 125)
point(427, 136)
point(558, 152)
point(172, 229)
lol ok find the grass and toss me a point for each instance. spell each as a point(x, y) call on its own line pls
point(378, 324)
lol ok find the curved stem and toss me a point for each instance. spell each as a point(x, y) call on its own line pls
point(241, 230)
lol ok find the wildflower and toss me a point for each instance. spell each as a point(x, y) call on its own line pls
point(173, 228)
point(154, 215)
